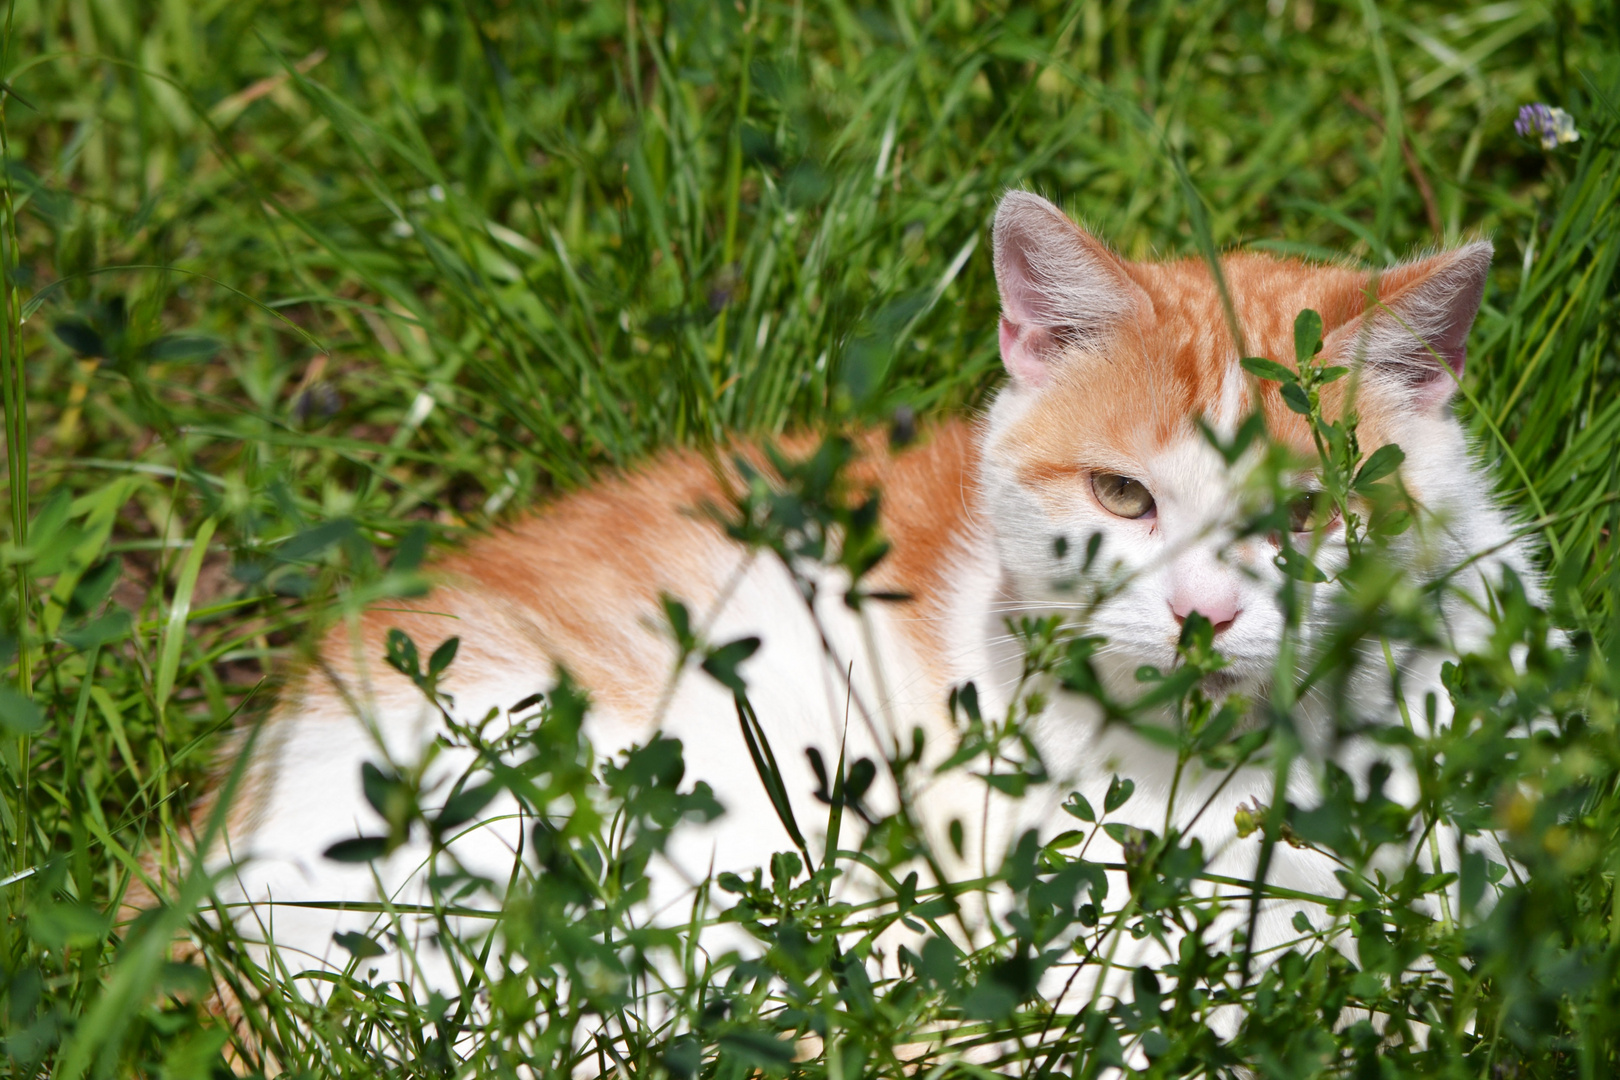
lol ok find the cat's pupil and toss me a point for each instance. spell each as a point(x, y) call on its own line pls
point(1121, 495)
point(1309, 512)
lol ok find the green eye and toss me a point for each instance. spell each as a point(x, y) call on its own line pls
point(1121, 495)
point(1311, 511)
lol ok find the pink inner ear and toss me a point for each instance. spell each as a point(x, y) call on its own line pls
point(1437, 389)
point(1432, 385)
point(1446, 333)
point(1428, 308)
point(1452, 344)
point(1024, 349)
point(1027, 308)
point(1028, 295)
point(1057, 285)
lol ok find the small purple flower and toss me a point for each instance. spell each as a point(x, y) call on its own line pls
point(1552, 127)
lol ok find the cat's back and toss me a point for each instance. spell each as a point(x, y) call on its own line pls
point(581, 584)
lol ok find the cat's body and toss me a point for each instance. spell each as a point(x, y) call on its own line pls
point(1112, 363)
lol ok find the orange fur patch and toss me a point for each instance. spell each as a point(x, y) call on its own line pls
point(579, 584)
point(930, 496)
point(1166, 365)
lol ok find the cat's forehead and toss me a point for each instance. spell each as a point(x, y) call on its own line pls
point(1188, 326)
point(1139, 392)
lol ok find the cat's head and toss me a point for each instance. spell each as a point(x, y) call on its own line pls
point(1114, 363)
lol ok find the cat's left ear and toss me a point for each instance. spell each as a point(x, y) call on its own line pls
point(1061, 289)
point(1415, 339)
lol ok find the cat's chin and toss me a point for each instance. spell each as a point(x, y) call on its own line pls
point(1243, 675)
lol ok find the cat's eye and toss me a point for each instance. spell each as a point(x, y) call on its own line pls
point(1121, 495)
point(1310, 512)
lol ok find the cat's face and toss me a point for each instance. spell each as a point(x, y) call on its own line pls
point(1113, 366)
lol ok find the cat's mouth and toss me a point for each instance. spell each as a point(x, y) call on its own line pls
point(1220, 683)
point(1233, 679)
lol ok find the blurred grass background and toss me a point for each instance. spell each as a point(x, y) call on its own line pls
point(293, 286)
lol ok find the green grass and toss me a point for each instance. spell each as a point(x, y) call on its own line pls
point(296, 287)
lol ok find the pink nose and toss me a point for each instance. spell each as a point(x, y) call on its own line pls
point(1221, 612)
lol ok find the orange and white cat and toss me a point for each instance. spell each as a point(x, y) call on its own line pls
point(1112, 366)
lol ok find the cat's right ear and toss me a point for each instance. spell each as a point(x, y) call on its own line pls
point(1059, 286)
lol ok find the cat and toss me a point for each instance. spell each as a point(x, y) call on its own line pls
point(1112, 367)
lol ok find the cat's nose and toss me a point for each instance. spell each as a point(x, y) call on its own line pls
point(1221, 612)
